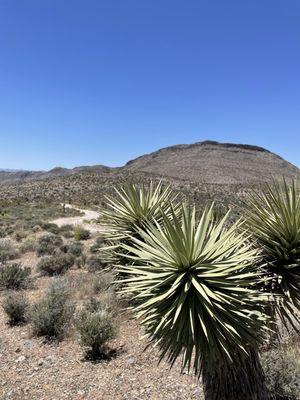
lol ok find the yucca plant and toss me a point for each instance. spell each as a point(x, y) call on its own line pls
point(273, 215)
point(195, 283)
point(132, 207)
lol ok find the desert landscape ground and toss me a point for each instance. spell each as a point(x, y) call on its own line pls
point(52, 226)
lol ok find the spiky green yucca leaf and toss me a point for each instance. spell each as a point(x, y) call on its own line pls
point(193, 282)
point(132, 206)
point(130, 209)
point(274, 218)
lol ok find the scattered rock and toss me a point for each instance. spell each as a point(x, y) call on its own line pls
point(20, 359)
point(28, 344)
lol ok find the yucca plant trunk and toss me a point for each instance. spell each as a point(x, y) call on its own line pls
point(243, 379)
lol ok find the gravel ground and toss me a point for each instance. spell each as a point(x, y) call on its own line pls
point(31, 369)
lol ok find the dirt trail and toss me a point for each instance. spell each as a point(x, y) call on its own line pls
point(86, 220)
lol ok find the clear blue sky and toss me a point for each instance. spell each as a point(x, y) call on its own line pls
point(101, 82)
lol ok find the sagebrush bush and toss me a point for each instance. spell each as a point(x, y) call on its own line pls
point(14, 276)
point(53, 314)
point(66, 231)
point(50, 227)
point(80, 233)
point(3, 232)
point(20, 234)
point(81, 261)
point(99, 242)
point(28, 244)
point(8, 249)
point(102, 282)
point(282, 370)
point(109, 301)
point(95, 328)
point(48, 244)
point(75, 249)
point(55, 265)
point(15, 306)
point(96, 263)
point(106, 302)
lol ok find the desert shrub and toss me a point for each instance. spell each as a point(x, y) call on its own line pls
point(66, 231)
point(94, 305)
point(52, 315)
point(55, 265)
point(99, 242)
point(36, 228)
point(75, 249)
point(20, 234)
point(28, 244)
point(80, 285)
point(81, 261)
point(282, 372)
point(109, 301)
point(50, 227)
point(96, 263)
point(8, 249)
point(48, 244)
point(81, 233)
point(3, 232)
point(103, 282)
point(14, 276)
point(95, 328)
point(15, 305)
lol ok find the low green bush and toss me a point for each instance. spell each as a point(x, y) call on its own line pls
point(14, 276)
point(282, 371)
point(8, 249)
point(81, 233)
point(75, 249)
point(27, 245)
point(48, 244)
point(15, 306)
point(81, 261)
point(95, 328)
point(66, 231)
point(52, 315)
point(102, 282)
point(96, 263)
point(55, 265)
point(99, 242)
point(20, 235)
point(50, 227)
point(3, 232)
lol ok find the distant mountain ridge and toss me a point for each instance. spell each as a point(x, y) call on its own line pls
point(200, 162)
point(7, 176)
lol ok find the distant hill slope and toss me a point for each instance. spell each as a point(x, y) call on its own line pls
point(205, 162)
point(9, 176)
point(214, 163)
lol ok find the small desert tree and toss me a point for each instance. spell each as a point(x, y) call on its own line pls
point(195, 283)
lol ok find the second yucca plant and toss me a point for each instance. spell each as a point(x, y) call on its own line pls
point(273, 216)
point(131, 208)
